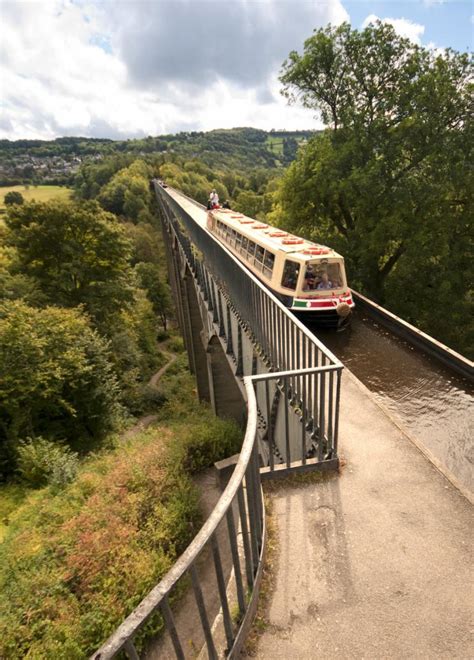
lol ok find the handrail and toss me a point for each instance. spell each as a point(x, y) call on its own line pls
point(128, 628)
point(122, 636)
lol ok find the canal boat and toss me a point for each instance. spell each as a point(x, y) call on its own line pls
point(308, 278)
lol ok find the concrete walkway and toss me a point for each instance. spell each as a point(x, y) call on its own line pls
point(375, 562)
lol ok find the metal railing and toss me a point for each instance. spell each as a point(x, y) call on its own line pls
point(300, 381)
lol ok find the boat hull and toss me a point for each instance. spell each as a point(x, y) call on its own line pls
point(329, 319)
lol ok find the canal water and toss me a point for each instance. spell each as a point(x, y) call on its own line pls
point(431, 402)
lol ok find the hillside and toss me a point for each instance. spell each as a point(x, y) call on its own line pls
point(58, 161)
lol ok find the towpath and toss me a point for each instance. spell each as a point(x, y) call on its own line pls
point(375, 562)
point(146, 420)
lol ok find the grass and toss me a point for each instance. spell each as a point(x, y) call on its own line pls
point(275, 144)
point(11, 497)
point(36, 193)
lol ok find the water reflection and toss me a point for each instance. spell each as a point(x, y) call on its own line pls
point(432, 403)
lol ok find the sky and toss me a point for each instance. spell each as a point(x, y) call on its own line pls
point(125, 69)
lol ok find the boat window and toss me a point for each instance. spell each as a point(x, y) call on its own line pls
point(290, 274)
point(259, 254)
point(245, 243)
point(268, 263)
point(251, 249)
point(323, 276)
point(238, 240)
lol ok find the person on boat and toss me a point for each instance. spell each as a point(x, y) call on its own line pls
point(226, 204)
point(309, 277)
point(214, 199)
point(325, 282)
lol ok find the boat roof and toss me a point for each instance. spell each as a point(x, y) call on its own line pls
point(274, 237)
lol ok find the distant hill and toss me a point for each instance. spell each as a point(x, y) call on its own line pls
point(57, 161)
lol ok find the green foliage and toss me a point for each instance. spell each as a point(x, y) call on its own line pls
point(176, 344)
point(253, 204)
point(13, 197)
point(207, 441)
point(146, 243)
point(151, 399)
point(41, 462)
point(77, 253)
point(12, 495)
point(92, 176)
point(14, 285)
point(389, 185)
point(128, 192)
point(76, 562)
point(157, 291)
point(134, 351)
point(55, 380)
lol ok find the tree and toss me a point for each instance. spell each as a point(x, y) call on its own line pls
point(388, 183)
point(77, 253)
point(55, 379)
point(128, 192)
point(157, 291)
point(13, 197)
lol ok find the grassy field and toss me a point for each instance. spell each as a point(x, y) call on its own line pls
point(275, 144)
point(37, 193)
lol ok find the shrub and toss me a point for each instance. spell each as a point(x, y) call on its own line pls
point(42, 462)
point(205, 441)
point(176, 345)
point(55, 380)
point(76, 562)
point(162, 335)
point(152, 398)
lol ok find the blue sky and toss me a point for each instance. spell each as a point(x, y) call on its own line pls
point(123, 69)
point(447, 24)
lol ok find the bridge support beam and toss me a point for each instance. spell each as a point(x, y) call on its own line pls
point(226, 397)
point(198, 336)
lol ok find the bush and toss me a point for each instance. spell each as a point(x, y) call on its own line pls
point(207, 441)
point(41, 462)
point(176, 345)
point(76, 562)
point(152, 398)
point(13, 197)
point(56, 380)
point(162, 335)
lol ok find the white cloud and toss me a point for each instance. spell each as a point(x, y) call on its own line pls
point(403, 26)
point(77, 67)
point(431, 3)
